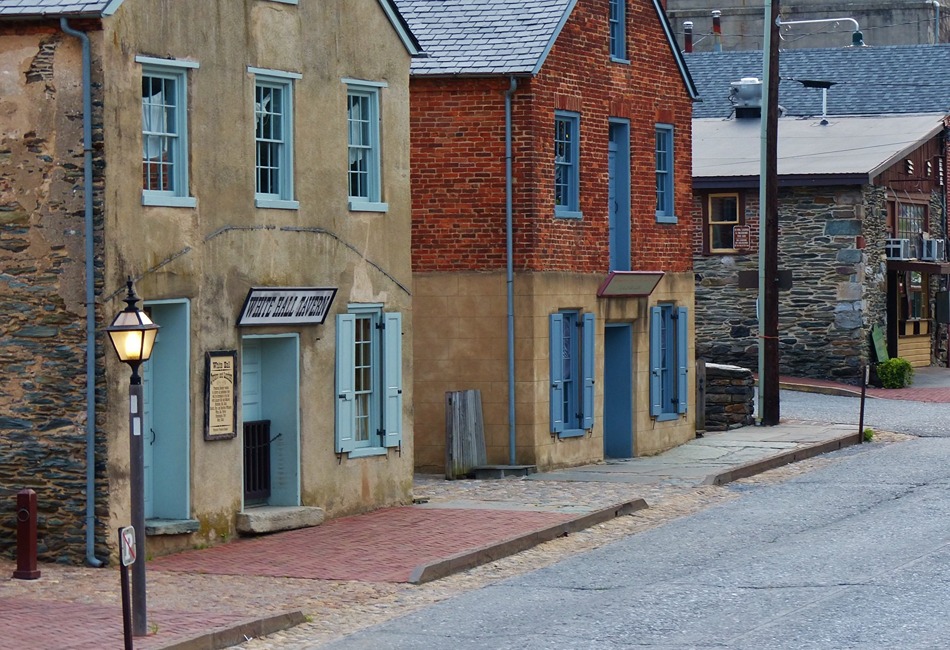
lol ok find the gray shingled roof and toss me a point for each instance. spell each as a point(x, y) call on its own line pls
point(868, 80)
point(856, 146)
point(31, 8)
point(483, 36)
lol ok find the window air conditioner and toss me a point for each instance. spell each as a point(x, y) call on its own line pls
point(934, 250)
point(897, 249)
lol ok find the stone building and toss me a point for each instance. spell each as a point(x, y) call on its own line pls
point(740, 24)
point(860, 166)
point(557, 286)
point(238, 155)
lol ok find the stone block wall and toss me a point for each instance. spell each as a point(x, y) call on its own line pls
point(730, 396)
point(831, 238)
point(42, 295)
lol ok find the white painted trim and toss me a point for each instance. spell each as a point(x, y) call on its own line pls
point(150, 197)
point(171, 63)
point(363, 82)
point(280, 74)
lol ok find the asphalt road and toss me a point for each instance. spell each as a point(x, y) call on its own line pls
point(854, 555)
point(916, 418)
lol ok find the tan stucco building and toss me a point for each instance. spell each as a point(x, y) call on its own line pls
point(249, 162)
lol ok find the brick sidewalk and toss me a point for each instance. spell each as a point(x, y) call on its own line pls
point(380, 546)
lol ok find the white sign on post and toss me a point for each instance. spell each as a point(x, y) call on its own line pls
point(127, 545)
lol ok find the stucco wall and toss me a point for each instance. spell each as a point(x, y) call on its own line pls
point(210, 254)
point(214, 253)
point(460, 342)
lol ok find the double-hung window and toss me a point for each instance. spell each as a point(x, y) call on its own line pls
point(368, 380)
point(665, 209)
point(723, 216)
point(567, 165)
point(572, 373)
point(165, 132)
point(274, 138)
point(669, 328)
point(364, 174)
point(618, 36)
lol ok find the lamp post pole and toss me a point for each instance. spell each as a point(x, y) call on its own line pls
point(137, 491)
point(133, 335)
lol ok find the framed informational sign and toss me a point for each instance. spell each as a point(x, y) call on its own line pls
point(220, 395)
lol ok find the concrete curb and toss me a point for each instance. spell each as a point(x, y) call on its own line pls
point(793, 456)
point(840, 391)
point(470, 559)
point(232, 635)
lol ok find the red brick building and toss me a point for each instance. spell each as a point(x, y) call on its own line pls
point(551, 151)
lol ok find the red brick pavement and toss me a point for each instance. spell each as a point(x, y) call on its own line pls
point(939, 395)
point(57, 625)
point(381, 546)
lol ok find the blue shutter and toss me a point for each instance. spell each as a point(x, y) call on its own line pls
point(587, 370)
point(557, 379)
point(682, 359)
point(656, 361)
point(392, 379)
point(345, 382)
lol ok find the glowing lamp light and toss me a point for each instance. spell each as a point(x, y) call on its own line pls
point(132, 333)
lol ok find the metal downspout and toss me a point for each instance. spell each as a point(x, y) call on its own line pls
point(510, 273)
point(90, 295)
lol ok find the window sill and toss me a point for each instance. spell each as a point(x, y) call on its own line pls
point(667, 218)
point(276, 204)
point(368, 206)
point(168, 201)
point(667, 417)
point(365, 452)
point(617, 59)
point(572, 433)
point(568, 214)
point(170, 526)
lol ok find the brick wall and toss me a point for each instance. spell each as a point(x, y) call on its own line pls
point(458, 165)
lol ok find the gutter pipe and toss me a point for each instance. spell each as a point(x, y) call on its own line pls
point(90, 294)
point(509, 236)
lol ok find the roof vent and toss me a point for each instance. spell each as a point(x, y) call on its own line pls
point(746, 96)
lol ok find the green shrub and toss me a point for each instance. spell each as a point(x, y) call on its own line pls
point(895, 373)
point(868, 434)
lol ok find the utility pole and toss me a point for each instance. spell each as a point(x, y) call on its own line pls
point(768, 225)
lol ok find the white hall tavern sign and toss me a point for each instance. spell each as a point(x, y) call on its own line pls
point(286, 306)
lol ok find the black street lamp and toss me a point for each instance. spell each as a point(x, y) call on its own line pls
point(133, 334)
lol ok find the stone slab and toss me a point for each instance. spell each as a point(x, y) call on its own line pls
point(269, 519)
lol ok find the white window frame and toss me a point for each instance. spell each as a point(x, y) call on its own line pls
point(175, 134)
point(283, 82)
point(371, 200)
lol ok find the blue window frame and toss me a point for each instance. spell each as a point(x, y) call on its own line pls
point(566, 165)
point(363, 146)
point(165, 132)
point(618, 31)
point(665, 208)
point(274, 138)
point(572, 373)
point(669, 329)
point(368, 381)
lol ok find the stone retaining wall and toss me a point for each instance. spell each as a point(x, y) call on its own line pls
point(730, 395)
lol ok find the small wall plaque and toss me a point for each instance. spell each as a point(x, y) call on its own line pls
point(220, 395)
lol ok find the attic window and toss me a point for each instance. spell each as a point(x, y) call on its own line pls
point(909, 167)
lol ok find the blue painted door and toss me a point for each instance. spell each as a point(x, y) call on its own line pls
point(270, 390)
point(618, 391)
point(618, 168)
point(167, 411)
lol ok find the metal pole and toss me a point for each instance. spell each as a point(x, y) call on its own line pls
point(864, 389)
point(768, 226)
point(126, 609)
point(137, 490)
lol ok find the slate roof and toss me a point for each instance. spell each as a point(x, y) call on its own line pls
point(868, 80)
point(35, 8)
point(855, 146)
point(483, 36)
